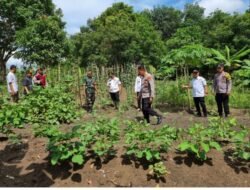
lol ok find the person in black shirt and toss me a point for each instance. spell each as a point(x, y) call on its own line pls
point(27, 83)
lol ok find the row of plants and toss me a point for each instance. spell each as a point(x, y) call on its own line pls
point(96, 139)
point(200, 140)
point(144, 143)
point(47, 106)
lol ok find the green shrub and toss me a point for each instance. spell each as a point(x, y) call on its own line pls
point(144, 142)
point(199, 141)
point(99, 136)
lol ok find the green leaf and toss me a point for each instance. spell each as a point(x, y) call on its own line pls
point(157, 156)
point(184, 146)
point(149, 155)
point(215, 145)
point(140, 154)
point(194, 148)
point(202, 155)
point(246, 155)
point(54, 160)
point(205, 147)
point(78, 159)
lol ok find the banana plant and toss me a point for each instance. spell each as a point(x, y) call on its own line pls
point(233, 61)
point(242, 76)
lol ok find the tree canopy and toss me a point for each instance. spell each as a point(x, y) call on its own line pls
point(118, 37)
point(17, 16)
point(121, 37)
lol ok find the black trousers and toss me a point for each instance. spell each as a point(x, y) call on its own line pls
point(200, 102)
point(147, 110)
point(15, 97)
point(138, 100)
point(222, 101)
point(115, 98)
point(90, 100)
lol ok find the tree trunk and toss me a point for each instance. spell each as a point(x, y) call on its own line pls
point(3, 70)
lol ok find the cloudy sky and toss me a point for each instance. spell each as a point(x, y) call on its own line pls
point(77, 12)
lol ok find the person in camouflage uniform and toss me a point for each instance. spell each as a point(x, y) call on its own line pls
point(90, 90)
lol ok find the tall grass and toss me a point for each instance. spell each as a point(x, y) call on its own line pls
point(170, 93)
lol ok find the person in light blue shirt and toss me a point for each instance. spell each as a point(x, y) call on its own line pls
point(199, 89)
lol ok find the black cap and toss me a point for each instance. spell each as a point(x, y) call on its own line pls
point(12, 67)
point(221, 65)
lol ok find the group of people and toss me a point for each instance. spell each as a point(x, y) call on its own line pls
point(144, 89)
point(39, 78)
point(222, 86)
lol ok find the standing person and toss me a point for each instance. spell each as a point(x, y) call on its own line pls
point(147, 95)
point(222, 86)
point(12, 84)
point(40, 78)
point(199, 86)
point(114, 85)
point(138, 82)
point(90, 90)
point(27, 83)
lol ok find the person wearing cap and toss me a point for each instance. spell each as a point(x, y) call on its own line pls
point(199, 89)
point(147, 94)
point(12, 84)
point(222, 86)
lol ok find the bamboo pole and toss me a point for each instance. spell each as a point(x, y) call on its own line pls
point(79, 85)
point(59, 73)
point(188, 91)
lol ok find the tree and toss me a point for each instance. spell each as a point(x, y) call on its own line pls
point(185, 57)
point(185, 36)
point(14, 16)
point(166, 19)
point(217, 30)
point(42, 41)
point(193, 15)
point(119, 37)
point(241, 28)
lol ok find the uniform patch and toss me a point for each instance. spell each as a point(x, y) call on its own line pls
point(228, 76)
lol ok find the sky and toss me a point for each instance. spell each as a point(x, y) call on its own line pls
point(77, 12)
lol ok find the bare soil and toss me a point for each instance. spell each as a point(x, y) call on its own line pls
point(28, 165)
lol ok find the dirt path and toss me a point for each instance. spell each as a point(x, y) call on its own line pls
point(27, 164)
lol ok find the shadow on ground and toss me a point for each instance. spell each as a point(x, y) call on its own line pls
point(239, 165)
point(189, 159)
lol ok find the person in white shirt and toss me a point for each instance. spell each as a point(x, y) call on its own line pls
point(138, 83)
point(199, 89)
point(114, 86)
point(12, 84)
